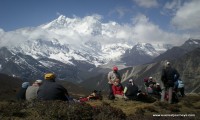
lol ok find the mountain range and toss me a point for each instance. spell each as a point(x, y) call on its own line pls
point(70, 47)
point(184, 58)
point(83, 50)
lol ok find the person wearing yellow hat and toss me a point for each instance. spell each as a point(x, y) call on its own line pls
point(50, 90)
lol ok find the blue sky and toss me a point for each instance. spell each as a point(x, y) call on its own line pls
point(26, 13)
point(147, 19)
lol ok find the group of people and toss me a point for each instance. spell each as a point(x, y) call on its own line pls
point(167, 89)
point(46, 89)
point(152, 87)
point(117, 90)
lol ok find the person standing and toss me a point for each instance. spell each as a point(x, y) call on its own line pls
point(169, 76)
point(112, 77)
point(31, 92)
point(50, 90)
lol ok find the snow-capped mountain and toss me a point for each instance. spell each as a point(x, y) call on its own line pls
point(143, 53)
point(66, 39)
point(177, 52)
point(86, 42)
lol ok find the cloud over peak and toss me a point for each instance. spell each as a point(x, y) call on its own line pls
point(187, 16)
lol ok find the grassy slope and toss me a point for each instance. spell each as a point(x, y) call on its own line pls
point(134, 110)
point(188, 105)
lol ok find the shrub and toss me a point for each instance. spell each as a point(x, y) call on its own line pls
point(106, 112)
point(58, 110)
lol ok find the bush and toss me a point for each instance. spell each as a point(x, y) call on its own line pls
point(106, 112)
point(58, 110)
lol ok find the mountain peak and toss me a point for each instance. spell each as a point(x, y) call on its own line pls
point(191, 42)
point(89, 25)
point(145, 48)
point(61, 17)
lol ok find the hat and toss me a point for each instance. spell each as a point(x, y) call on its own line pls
point(131, 80)
point(115, 68)
point(38, 81)
point(157, 84)
point(168, 63)
point(150, 78)
point(49, 76)
point(25, 84)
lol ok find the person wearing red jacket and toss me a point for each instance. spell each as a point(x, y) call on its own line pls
point(118, 89)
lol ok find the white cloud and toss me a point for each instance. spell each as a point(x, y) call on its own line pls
point(75, 31)
point(147, 3)
point(1, 31)
point(146, 31)
point(171, 7)
point(187, 17)
point(174, 4)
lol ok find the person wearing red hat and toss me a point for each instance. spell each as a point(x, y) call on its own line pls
point(112, 77)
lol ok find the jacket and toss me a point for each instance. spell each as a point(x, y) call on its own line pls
point(50, 90)
point(31, 92)
point(112, 76)
point(132, 90)
point(169, 75)
point(117, 89)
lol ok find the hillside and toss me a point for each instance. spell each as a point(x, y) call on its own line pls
point(187, 65)
point(9, 86)
point(187, 109)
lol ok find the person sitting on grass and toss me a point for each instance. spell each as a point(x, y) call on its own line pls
point(31, 92)
point(93, 95)
point(22, 92)
point(130, 90)
point(118, 89)
point(50, 90)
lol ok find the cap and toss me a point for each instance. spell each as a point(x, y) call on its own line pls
point(25, 84)
point(49, 76)
point(131, 80)
point(38, 81)
point(115, 68)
